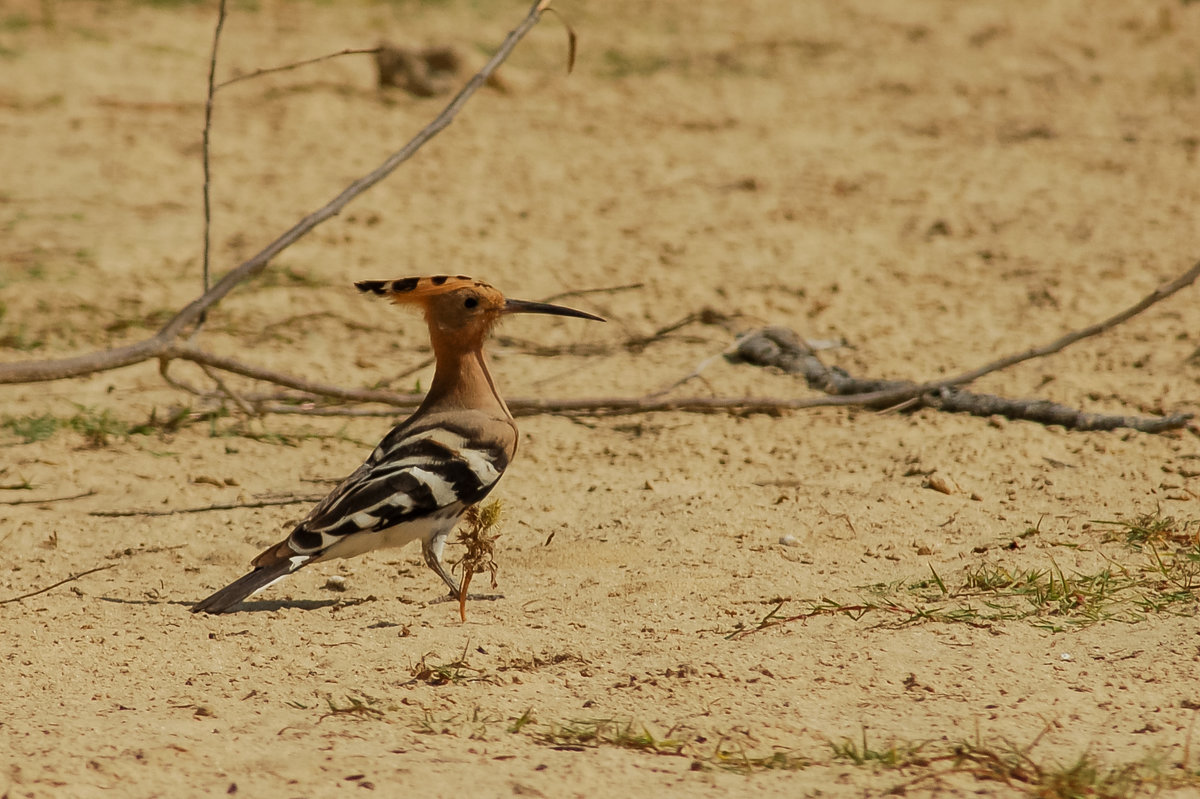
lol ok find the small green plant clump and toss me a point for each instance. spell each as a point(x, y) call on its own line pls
point(1165, 578)
point(97, 427)
point(574, 735)
point(1155, 531)
point(31, 428)
point(893, 756)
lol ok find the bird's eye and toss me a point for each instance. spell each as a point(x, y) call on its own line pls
point(470, 302)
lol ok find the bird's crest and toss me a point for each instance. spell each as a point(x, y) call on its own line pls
point(417, 290)
point(459, 305)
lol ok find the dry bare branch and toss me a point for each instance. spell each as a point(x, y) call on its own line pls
point(317, 390)
point(258, 73)
point(783, 349)
point(205, 149)
point(896, 395)
point(161, 342)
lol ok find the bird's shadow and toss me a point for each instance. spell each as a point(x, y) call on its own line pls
point(253, 606)
point(472, 597)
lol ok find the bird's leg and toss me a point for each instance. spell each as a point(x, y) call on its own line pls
point(432, 552)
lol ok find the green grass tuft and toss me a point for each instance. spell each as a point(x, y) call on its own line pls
point(97, 427)
point(31, 428)
point(894, 756)
point(574, 735)
point(1154, 530)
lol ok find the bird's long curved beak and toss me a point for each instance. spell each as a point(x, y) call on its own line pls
point(525, 306)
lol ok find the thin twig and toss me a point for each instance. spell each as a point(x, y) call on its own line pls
point(562, 295)
point(204, 147)
point(70, 579)
point(296, 65)
point(48, 499)
point(692, 375)
point(235, 366)
point(706, 316)
point(269, 330)
point(900, 394)
point(266, 503)
point(227, 391)
point(412, 370)
point(161, 342)
point(286, 409)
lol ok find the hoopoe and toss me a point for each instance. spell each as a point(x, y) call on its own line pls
point(426, 472)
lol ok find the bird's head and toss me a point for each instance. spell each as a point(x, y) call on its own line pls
point(459, 307)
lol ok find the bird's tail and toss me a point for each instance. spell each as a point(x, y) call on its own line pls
point(243, 587)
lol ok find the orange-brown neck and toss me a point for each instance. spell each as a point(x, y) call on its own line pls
point(461, 379)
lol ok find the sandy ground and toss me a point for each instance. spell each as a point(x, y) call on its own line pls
point(935, 183)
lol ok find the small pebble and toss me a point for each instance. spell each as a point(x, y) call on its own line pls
point(335, 583)
point(941, 484)
point(789, 540)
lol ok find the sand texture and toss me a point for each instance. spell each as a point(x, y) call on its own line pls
point(828, 602)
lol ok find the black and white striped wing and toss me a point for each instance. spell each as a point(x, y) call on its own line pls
point(414, 474)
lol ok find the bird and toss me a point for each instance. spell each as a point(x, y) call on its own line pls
point(421, 478)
